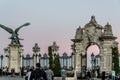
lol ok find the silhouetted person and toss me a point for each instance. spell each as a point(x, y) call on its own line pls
point(38, 73)
point(88, 75)
point(63, 73)
point(0, 72)
point(113, 75)
point(22, 71)
point(103, 75)
point(27, 77)
point(12, 72)
point(49, 74)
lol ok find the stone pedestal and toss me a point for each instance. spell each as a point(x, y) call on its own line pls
point(15, 59)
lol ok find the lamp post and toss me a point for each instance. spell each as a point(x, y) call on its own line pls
point(92, 60)
point(97, 65)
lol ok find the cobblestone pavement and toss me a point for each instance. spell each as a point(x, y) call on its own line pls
point(10, 78)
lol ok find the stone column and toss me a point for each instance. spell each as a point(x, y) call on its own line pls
point(21, 57)
point(36, 55)
point(34, 60)
point(106, 57)
point(73, 56)
point(38, 58)
point(78, 63)
point(14, 55)
point(6, 51)
point(108, 42)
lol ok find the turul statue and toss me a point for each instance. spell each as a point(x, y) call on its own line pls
point(14, 33)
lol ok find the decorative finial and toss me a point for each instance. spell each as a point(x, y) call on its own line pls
point(54, 43)
point(108, 23)
point(79, 26)
point(108, 30)
point(93, 19)
point(36, 48)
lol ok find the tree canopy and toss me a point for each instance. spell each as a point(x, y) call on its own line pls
point(115, 59)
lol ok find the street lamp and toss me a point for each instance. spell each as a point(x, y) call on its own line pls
point(97, 57)
point(92, 60)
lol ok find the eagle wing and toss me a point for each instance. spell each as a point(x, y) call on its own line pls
point(17, 29)
point(6, 28)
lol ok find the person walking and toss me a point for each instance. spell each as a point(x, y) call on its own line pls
point(49, 74)
point(88, 75)
point(113, 75)
point(63, 73)
point(27, 77)
point(38, 73)
point(22, 71)
point(103, 75)
point(12, 72)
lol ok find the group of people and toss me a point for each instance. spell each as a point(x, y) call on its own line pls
point(92, 74)
point(3, 71)
point(40, 74)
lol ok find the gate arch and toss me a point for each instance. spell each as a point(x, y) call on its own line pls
point(93, 33)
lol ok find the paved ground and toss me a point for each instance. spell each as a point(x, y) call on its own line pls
point(19, 78)
point(11, 78)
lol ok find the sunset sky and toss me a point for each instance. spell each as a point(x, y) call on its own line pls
point(54, 20)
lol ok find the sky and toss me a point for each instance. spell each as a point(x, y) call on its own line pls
point(54, 20)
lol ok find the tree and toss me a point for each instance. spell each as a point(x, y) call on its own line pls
point(54, 64)
point(57, 67)
point(50, 56)
point(115, 59)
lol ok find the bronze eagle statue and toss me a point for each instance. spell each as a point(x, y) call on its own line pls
point(14, 37)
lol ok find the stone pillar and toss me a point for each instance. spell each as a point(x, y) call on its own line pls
point(38, 58)
point(34, 60)
point(15, 59)
point(106, 57)
point(108, 41)
point(78, 63)
point(21, 58)
point(36, 55)
point(6, 51)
